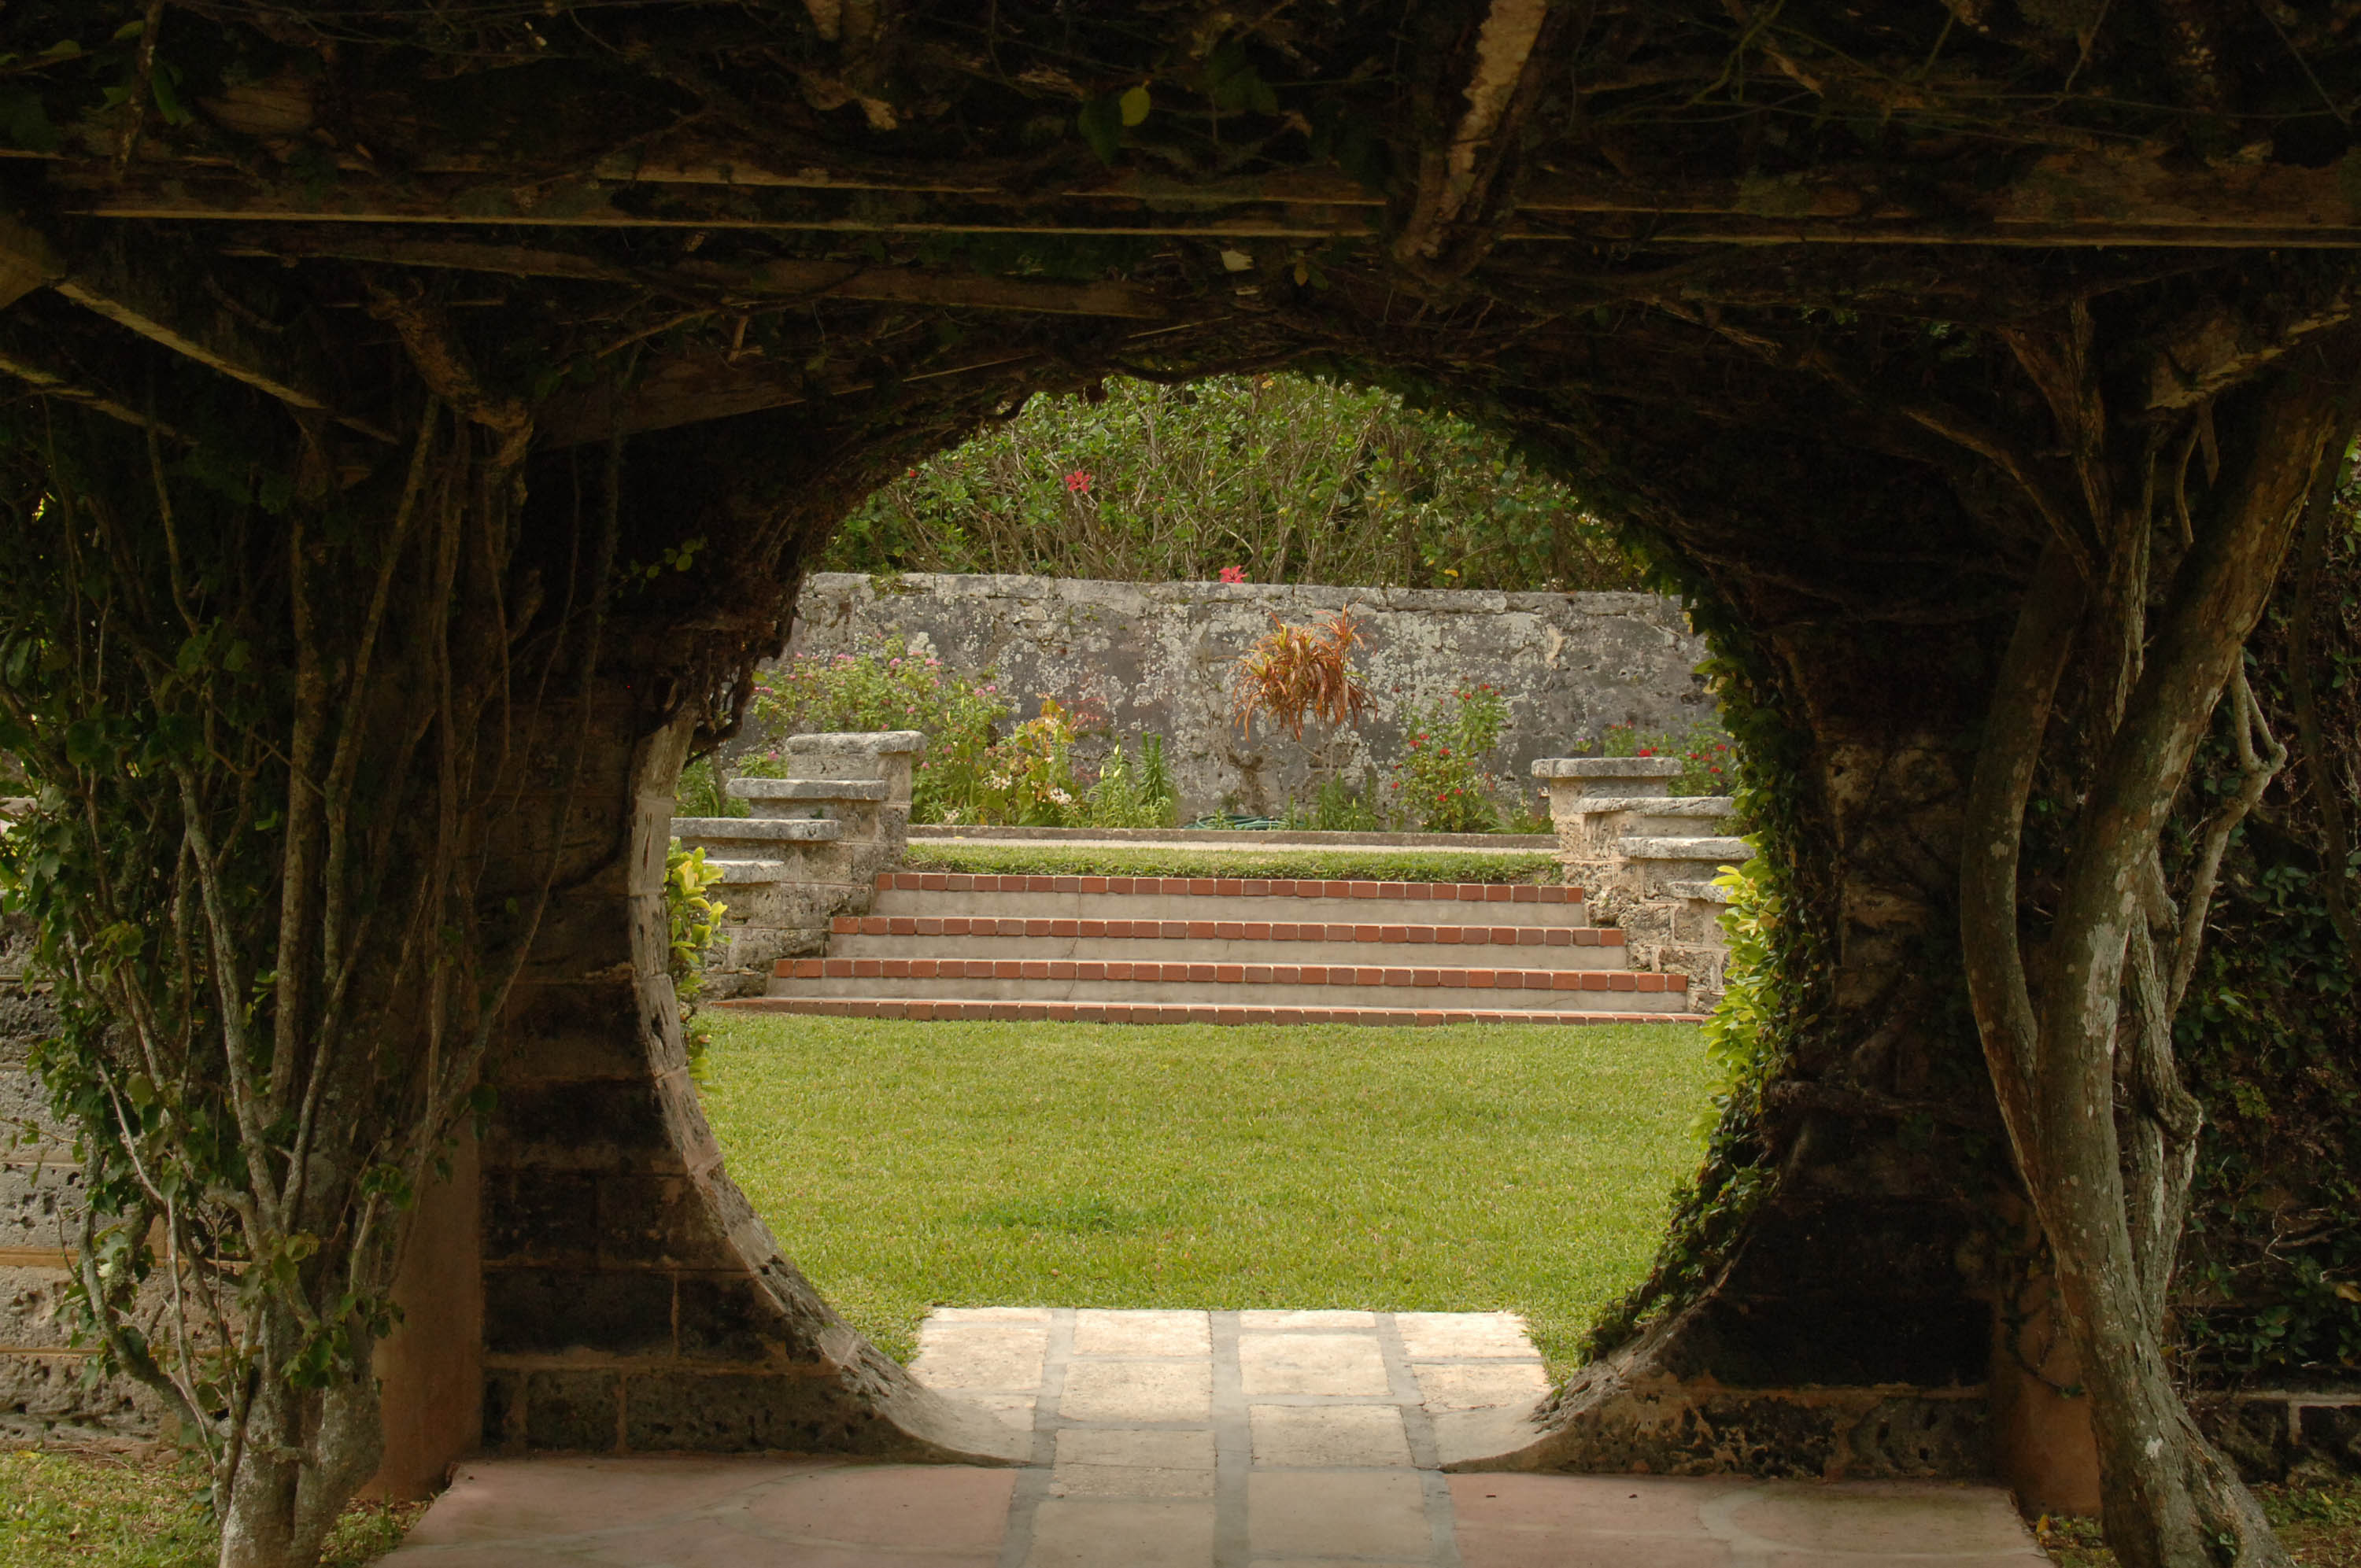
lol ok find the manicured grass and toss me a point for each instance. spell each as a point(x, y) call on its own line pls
point(97, 1510)
point(1334, 865)
point(1461, 1169)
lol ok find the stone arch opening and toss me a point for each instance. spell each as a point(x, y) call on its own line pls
point(1842, 1336)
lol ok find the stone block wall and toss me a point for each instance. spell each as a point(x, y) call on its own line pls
point(46, 1395)
point(1158, 657)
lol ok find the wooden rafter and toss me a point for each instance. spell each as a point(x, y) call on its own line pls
point(2070, 199)
point(108, 282)
point(764, 284)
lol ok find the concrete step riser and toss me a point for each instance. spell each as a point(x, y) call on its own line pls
point(1166, 950)
point(1151, 1012)
point(1160, 907)
point(1234, 995)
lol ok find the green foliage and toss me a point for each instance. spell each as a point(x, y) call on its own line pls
point(1028, 779)
point(1741, 1037)
point(2269, 1289)
point(1130, 795)
point(1439, 781)
point(1284, 479)
point(889, 687)
point(970, 772)
point(699, 793)
point(1708, 757)
point(1336, 807)
point(692, 916)
point(1781, 978)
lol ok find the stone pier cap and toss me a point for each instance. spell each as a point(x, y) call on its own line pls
point(858, 743)
point(1646, 777)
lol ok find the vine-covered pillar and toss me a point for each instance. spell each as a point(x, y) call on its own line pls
point(1824, 1304)
point(632, 1302)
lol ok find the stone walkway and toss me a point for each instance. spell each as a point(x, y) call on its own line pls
point(1201, 1440)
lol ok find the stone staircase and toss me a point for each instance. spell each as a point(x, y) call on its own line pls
point(1221, 950)
point(1649, 858)
point(813, 847)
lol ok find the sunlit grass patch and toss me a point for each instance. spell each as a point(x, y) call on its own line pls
point(1511, 1167)
point(104, 1510)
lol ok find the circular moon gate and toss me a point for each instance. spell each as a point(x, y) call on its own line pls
point(1923, 400)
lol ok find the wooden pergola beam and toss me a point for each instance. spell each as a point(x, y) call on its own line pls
point(2075, 200)
point(30, 365)
point(765, 284)
point(108, 282)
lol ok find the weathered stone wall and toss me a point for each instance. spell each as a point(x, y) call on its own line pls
point(1158, 657)
point(44, 1397)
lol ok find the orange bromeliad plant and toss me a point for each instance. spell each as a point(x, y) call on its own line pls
point(1297, 673)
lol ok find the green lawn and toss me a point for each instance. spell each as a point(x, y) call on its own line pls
point(98, 1511)
point(1053, 859)
point(1461, 1168)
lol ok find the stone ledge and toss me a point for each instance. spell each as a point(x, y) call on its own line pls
point(1606, 767)
point(858, 743)
point(1711, 893)
point(1200, 837)
point(808, 789)
point(1686, 850)
point(748, 830)
point(1653, 805)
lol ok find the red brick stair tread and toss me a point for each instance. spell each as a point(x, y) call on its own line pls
point(1201, 973)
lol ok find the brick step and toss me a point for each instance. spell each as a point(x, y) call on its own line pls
point(1232, 941)
point(947, 1009)
point(951, 893)
point(1082, 980)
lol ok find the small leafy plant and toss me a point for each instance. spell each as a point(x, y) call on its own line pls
point(1439, 781)
point(1129, 795)
point(1296, 674)
point(1335, 807)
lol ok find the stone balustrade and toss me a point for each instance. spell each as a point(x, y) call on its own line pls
point(1647, 861)
point(810, 850)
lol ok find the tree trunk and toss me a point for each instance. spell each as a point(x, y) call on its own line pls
point(303, 1455)
point(2170, 1499)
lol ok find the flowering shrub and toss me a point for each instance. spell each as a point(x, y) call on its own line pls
point(1709, 763)
point(1029, 778)
point(1439, 781)
point(887, 689)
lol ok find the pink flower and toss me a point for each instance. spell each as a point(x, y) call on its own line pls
point(1234, 573)
point(1078, 483)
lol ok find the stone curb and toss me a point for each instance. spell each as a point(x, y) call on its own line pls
point(1199, 838)
point(953, 1010)
point(1231, 888)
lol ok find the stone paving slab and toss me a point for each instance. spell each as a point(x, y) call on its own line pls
point(1202, 1440)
